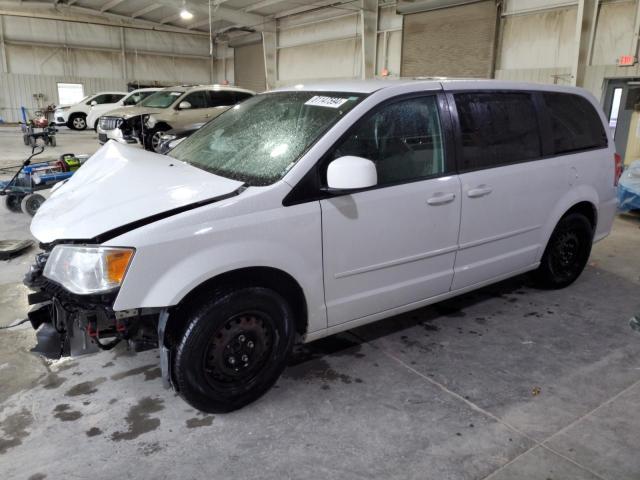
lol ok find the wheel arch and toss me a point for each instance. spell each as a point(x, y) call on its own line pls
point(582, 200)
point(269, 277)
point(587, 209)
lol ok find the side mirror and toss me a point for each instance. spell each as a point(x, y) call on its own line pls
point(184, 105)
point(351, 173)
point(93, 103)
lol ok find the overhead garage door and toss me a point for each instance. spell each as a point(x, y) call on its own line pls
point(450, 42)
point(248, 65)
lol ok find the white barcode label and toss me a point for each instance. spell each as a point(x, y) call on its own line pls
point(331, 102)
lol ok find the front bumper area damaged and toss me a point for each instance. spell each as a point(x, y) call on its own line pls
point(86, 323)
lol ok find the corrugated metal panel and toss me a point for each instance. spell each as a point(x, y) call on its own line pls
point(524, 6)
point(19, 90)
point(415, 6)
point(344, 26)
point(614, 33)
point(541, 40)
point(90, 35)
point(328, 60)
point(249, 67)
point(456, 41)
point(555, 76)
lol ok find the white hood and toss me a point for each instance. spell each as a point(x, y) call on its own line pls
point(119, 185)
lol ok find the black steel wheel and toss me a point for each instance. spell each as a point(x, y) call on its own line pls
point(567, 252)
point(12, 202)
point(234, 348)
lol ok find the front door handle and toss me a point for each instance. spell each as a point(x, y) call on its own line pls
point(441, 199)
point(481, 191)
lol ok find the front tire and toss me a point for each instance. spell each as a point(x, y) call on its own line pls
point(234, 349)
point(152, 140)
point(566, 254)
point(77, 121)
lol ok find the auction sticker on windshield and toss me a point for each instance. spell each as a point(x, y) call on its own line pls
point(321, 101)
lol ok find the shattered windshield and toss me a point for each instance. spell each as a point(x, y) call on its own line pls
point(259, 140)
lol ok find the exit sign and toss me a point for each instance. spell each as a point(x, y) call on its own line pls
point(626, 60)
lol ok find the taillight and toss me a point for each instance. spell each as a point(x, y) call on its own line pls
point(618, 162)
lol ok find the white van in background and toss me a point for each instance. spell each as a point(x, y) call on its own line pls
point(136, 96)
point(310, 210)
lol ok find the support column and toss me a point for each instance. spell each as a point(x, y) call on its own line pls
point(636, 31)
point(123, 54)
point(585, 33)
point(3, 51)
point(369, 36)
point(270, 52)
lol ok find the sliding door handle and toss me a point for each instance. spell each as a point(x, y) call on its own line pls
point(481, 191)
point(441, 199)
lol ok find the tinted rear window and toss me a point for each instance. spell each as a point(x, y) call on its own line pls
point(498, 128)
point(575, 124)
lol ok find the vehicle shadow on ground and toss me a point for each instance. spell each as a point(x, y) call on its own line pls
point(349, 342)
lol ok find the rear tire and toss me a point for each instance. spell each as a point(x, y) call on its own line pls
point(234, 349)
point(31, 203)
point(12, 202)
point(566, 254)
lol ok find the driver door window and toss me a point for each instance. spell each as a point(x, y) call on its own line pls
point(389, 247)
point(404, 140)
point(100, 99)
point(197, 99)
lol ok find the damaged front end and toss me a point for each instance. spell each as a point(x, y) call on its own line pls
point(133, 129)
point(86, 323)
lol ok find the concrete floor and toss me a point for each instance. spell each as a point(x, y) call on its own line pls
point(505, 383)
point(14, 151)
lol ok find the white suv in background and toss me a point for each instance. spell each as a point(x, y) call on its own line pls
point(75, 116)
point(172, 107)
point(130, 100)
point(307, 211)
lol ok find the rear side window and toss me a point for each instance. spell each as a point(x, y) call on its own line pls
point(240, 96)
point(497, 129)
point(221, 99)
point(575, 124)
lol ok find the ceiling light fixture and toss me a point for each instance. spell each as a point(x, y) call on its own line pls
point(184, 13)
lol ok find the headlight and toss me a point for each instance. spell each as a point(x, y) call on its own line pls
point(151, 121)
point(175, 143)
point(85, 270)
point(166, 137)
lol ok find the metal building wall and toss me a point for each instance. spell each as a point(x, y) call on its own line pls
point(17, 90)
point(538, 42)
point(42, 52)
point(327, 44)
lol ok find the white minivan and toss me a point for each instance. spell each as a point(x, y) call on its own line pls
point(311, 210)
